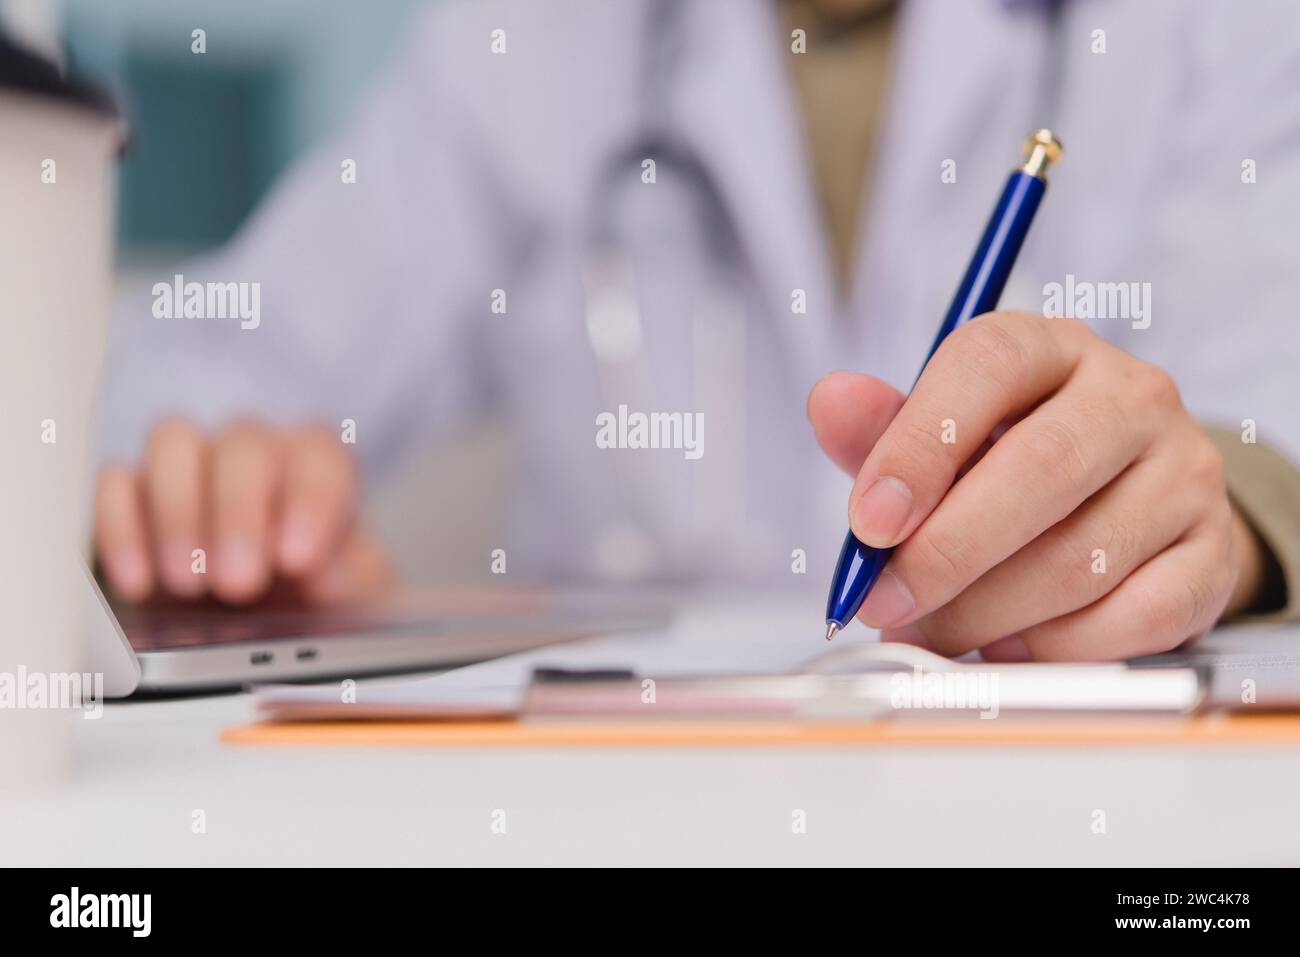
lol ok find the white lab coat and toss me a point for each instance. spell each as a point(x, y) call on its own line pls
point(475, 173)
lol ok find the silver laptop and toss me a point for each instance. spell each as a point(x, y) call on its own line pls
point(179, 650)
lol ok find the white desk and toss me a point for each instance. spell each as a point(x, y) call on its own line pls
point(144, 768)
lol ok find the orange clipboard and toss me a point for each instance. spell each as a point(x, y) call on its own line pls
point(1203, 730)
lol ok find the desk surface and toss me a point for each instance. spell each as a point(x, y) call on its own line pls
point(144, 768)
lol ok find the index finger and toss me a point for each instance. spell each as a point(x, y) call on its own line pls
point(995, 366)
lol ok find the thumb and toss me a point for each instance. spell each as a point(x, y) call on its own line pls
point(849, 412)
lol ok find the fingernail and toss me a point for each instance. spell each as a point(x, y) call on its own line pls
point(889, 602)
point(1009, 649)
point(882, 512)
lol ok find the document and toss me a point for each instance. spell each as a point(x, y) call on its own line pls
point(762, 667)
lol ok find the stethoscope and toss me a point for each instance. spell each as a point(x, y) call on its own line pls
point(653, 533)
point(615, 326)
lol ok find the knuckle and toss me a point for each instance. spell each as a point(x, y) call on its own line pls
point(918, 454)
point(1154, 387)
point(1101, 413)
point(991, 350)
point(1122, 546)
point(1166, 617)
point(1201, 598)
point(940, 556)
point(1207, 464)
point(1160, 619)
point(1055, 452)
point(1068, 569)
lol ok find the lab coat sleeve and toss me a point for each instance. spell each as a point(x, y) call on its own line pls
point(372, 294)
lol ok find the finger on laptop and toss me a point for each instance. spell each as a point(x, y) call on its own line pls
point(244, 478)
point(121, 534)
point(174, 467)
point(318, 499)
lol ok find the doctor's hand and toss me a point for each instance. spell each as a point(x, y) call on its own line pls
point(1049, 497)
point(266, 506)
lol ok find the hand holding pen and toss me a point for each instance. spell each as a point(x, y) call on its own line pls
point(1040, 494)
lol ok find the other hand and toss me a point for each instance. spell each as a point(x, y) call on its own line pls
point(232, 514)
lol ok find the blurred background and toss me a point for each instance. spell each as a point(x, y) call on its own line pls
point(207, 144)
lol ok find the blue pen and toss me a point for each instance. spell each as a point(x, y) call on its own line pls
point(860, 565)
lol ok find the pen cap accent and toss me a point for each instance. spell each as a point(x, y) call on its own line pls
point(1041, 149)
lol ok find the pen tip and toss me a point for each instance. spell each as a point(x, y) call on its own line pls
point(831, 628)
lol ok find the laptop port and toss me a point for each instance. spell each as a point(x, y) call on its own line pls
point(260, 658)
point(305, 654)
